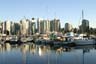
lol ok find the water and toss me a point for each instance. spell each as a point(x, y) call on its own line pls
point(36, 54)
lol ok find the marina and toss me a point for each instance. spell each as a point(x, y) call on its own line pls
point(47, 32)
point(53, 40)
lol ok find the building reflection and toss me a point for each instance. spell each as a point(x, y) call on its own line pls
point(27, 50)
point(59, 50)
point(43, 50)
point(7, 47)
point(32, 49)
point(24, 48)
point(1, 48)
point(85, 50)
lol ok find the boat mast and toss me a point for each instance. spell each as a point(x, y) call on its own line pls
point(82, 20)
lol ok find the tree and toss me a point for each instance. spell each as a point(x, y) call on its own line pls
point(62, 30)
point(75, 30)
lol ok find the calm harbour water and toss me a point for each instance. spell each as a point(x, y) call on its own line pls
point(36, 54)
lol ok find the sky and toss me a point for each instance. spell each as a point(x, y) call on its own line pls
point(66, 10)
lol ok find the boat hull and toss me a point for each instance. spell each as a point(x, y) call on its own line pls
point(84, 42)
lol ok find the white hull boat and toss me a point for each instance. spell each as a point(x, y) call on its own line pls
point(85, 42)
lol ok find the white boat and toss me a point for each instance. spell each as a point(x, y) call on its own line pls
point(84, 41)
point(29, 39)
point(80, 40)
point(24, 39)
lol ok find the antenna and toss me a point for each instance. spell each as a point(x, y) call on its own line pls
point(47, 10)
point(24, 17)
point(82, 14)
point(55, 17)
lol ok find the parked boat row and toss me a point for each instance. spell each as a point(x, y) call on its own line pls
point(69, 39)
point(53, 39)
point(15, 40)
point(82, 40)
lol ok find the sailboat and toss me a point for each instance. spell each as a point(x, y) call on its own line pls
point(82, 39)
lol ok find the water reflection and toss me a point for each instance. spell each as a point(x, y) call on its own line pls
point(42, 50)
point(24, 48)
point(7, 47)
point(39, 54)
point(32, 49)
